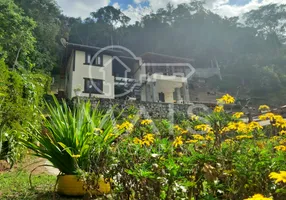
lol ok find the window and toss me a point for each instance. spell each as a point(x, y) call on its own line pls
point(98, 61)
point(93, 86)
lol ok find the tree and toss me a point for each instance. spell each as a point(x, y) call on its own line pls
point(47, 15)
point(269, 20)
point(16, 34)
point(111, 16)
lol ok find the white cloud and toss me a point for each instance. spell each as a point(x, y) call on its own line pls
point(136, 13)
point(139, 1)
point(116, 5)
point(222, 7)
point(81, 8)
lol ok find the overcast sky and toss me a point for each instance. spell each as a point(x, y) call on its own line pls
point(136, 8)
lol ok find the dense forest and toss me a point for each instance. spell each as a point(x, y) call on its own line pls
point(249, 49)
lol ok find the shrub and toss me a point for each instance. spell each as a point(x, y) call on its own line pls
point(213, 157)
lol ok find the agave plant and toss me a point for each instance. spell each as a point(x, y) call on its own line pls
point(71, 136)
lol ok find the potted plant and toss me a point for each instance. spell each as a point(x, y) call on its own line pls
point(69, 142)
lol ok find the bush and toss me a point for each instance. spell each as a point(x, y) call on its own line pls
point(21, 100)
point(210, 157)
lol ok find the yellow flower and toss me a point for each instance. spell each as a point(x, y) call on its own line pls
point(241, 127)
point(264, 108)
point(258, 197)
point(178, 142)
point(146, 122)
point(76, 156)
point(283, 132)
point(280, 177)
point(194, 118)
point(279, 121)
point(238, 115)
point(137, 141)
point(198, 137)
point(148, 139)
point(177, 127)
point(127, 126)
point(254, 125)
point(280, 148)
point(238, 126)
point(209, 138)
point(218, 109)
point(191, 141)
point(282, 141)
point(267, 116)
point(226, 99)
point(241, 137)
point(204, 127)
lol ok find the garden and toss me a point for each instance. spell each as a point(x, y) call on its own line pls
point(52, 149)
point(103, 154)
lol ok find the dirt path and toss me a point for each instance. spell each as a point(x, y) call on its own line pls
point(29, 164)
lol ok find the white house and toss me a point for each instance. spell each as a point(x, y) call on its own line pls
point(113, 73)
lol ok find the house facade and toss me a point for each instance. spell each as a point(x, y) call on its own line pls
point(112, 73)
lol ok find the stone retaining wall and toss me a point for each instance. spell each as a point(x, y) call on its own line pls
point(154, 110)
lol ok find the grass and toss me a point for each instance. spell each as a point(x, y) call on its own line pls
point(15, 184)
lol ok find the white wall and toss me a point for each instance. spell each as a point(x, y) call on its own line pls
point(94, 72)
point(140, 76)
point(69, 76)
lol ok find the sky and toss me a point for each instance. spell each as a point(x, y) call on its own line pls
point(135, 9)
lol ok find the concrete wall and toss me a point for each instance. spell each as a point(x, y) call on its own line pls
point(82, 71)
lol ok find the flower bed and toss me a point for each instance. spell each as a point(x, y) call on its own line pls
point(215, 156)
point(209, 156)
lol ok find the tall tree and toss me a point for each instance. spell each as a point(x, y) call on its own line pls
point(47, 15)
point(269, 20)
point(111, 16)
point(16, 34)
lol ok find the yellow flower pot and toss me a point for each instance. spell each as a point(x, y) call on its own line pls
point(70, 185)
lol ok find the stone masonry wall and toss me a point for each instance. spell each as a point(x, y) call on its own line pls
point(154, 110)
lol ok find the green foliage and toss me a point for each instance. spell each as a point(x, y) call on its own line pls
point(46, 15)
point(110, 15)
point(16, 34)
point(149, 162)
point(269, 20)
point(72, 136)
point(20, 102)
